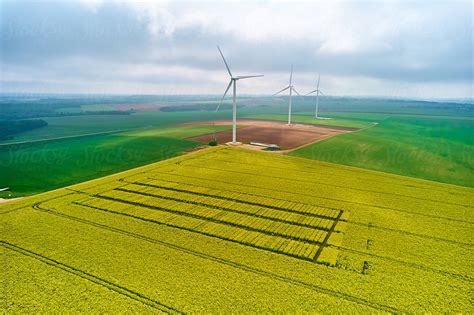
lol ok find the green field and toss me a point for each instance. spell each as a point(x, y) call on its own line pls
point(351, 112)
point(309, 119)
point(35, 167)
point(434, 148)
point(226, 230)
point(86, 124)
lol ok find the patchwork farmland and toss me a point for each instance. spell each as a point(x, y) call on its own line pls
point(232, 230)
point(267, 131)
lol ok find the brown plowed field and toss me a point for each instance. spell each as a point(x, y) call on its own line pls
point(287, 137)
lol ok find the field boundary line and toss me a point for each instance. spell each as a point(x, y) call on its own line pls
point(68, 137)
point(321, 197)
point(116, 176)
point(236, 265)
point(90, 277)
point(327, 137)
point(333, 127)
point(32, 204)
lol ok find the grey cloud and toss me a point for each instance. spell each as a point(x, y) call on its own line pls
point(42, 31)
point(40, 38)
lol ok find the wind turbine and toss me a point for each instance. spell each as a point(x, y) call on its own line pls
point(291, 88)
point(233, 81)
point(317, 91)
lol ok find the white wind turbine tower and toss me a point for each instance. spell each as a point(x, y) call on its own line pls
point(233, 81)
point(291, 88)
point(317, 91)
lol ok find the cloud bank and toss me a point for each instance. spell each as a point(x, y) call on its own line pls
point(393, 48)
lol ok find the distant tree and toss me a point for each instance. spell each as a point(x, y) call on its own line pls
point(10, 128)
point(213, 142)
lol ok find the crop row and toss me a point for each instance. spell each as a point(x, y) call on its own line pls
point(286, 194)
point(160, 307)
point(233, 205)
point(346, 176)
point(225, 231)
point(263, 178)
point(259, 240)
point(225, 217)
point(244, 194)
point(311, 194)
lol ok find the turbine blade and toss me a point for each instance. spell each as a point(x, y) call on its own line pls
point(294, 90)
point(320, 92)
point(291, 74)
point(284, 89)
point(225, 93)
point(319, 77)
point(310, 92)
point(226, 65)
point(249, 76)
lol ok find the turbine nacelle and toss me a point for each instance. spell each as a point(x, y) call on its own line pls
point(314, 91)
point(233, 79)
point(317, 88)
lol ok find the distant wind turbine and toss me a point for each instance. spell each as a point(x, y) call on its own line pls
point(317, 91)
point(291, 88)
point(233, 81)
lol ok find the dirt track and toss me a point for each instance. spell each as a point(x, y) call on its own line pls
point(68, 137)
point(5, 200)
point(287, 137)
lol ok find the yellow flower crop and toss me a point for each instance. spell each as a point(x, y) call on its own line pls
point(228, 230)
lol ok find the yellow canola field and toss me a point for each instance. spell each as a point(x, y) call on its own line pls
point(231, 230)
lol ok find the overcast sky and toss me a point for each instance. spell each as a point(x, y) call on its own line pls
point(393, 48)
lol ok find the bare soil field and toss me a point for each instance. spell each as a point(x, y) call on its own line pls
point(287, 137)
